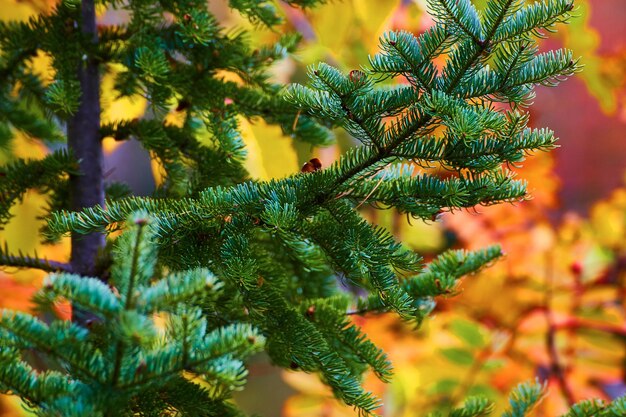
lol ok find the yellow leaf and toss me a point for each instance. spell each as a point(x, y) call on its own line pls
point(41, 65)
point(23, 230)
point(12, 406)
point(350, 29)
point(374, 17)
point(115, 109)
point(118, 108)
point(421, 236)
point(306, 406)
point(406, 382)
point(608, 223)
point(270, 153)
point(15, 10)
point(334, 25)
point(254, 159)
point(306, 383)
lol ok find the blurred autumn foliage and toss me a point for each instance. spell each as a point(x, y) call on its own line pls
point(554, 309)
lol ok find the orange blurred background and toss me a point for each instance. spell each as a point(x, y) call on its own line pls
point(553, 309)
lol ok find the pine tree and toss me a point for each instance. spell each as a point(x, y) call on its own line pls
point(217, 266)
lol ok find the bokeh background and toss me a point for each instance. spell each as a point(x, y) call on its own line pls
point(553, 309)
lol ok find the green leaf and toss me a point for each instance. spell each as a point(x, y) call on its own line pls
point(469, 332)
point(446, 386)
point(458, 356)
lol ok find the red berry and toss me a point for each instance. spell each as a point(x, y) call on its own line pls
point(356, 76)
point(317, 164)
point(576, 268)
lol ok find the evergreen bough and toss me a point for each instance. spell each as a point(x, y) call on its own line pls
point(217, 266)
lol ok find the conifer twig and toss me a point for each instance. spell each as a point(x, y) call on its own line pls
point(128, 303)
point(364, 311)
point(382, 178)
point(26, 261)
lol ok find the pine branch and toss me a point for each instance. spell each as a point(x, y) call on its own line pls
point(473, 407)
point(129, 295)
point(410, 56)
point(26, 261)
point(55, 341)
point(524, 398)
point(387, 150)
point(458, 15)
point(22, 175)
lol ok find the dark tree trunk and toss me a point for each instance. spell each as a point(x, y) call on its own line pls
point(87, 189)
